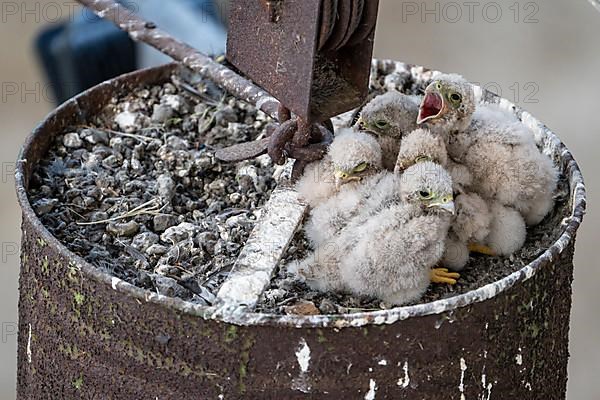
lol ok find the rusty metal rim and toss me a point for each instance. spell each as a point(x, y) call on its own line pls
point(240, 316)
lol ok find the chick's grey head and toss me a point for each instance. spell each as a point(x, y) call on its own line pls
point(448, 104)
point(355, 155)
point(429, 187)
point(391, 114)
point(421, 145)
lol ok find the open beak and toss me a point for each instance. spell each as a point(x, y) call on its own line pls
point(448, 207)
point(431, 107)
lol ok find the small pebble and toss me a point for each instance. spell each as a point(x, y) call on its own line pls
point(156, 250)
point(123, 229)
point(302, 307)
point(72, 141)
point(166, 187)
point(174, 101)
point(226, 115)
point(161, 113)
point(127, 121)
point(235, 198)
point(94, 136)
point(163, 222)
point(144, 240)
point(98, 216)
point(176, 234)
point(274, 294)
point(169, 287)
point(327, 307)
point(44, 206)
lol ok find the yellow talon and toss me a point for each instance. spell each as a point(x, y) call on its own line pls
point(442, 275)
point(481, 249)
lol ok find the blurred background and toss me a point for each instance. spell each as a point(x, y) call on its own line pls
point(543, 55)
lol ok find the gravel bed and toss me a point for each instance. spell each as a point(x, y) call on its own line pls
point(140, 195)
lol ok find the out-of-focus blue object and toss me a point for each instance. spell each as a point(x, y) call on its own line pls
point(82, 53)
point(193, 21)
point(87, 50)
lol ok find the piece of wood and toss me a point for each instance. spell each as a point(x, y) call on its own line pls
point(254, 268)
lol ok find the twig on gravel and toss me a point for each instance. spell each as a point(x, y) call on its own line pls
point(190, 89)
point(151, 207)
point(141, 138)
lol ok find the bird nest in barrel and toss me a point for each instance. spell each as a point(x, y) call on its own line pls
point(139, 194)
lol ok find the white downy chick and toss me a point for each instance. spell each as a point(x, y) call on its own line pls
point(389, 255)
point(470, 226)
point(498, 150)
point(472, 220)
point(351, 157)
point(355, 159)
point(507, 231)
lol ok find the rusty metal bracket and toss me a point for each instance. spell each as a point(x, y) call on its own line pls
point(314, 56)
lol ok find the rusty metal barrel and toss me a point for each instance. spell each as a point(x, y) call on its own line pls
point(84, 334)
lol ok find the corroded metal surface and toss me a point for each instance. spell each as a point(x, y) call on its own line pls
point(86, 335)
point(312, 55)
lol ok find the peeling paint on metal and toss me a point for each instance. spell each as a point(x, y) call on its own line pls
point(372, 390)
point(487, 389)
point(519, 358)
point(487, 386)
point(404, 382)
point(461, 386)
point(114, 282)
point(29, 352)
point(303, 356)
point(301, 383)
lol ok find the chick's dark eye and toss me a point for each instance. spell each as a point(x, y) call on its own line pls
point(424, 194)
point(455, 97)
point(381, 123)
